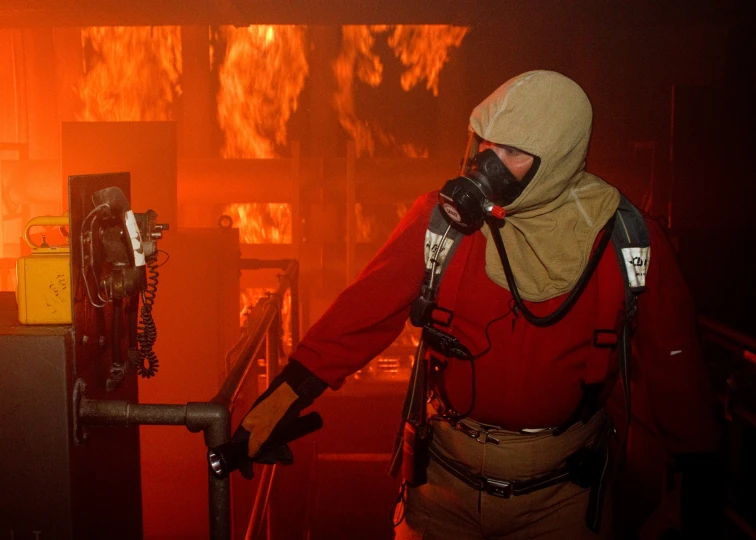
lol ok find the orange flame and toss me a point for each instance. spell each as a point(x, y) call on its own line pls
point(262, 75)
point(363, 224)
point(261, 223)
point(130, 73)
point(249, 296)
point(423, 49)
point(357, 58)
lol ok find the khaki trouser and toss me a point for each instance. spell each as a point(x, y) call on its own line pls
point(447, 508)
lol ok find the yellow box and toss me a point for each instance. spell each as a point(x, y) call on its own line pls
point(44, 280)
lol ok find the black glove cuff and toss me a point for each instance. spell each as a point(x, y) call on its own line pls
point(303, 381)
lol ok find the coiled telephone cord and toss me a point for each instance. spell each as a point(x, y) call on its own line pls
point(147, 332)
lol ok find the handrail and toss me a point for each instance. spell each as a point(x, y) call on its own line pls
point(213, 418)
point(258, 324)
point(737, 342)
point(262, 325)
point(742, 347)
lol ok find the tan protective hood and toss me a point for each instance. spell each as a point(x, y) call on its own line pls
point(550, 229)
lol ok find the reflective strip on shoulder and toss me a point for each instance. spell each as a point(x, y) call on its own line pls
point(434, 249)
point(636, 264)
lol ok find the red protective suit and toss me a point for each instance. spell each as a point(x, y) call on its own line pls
point(531, 376)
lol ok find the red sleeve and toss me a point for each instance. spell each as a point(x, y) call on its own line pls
point(679, 390)
point(369, 314)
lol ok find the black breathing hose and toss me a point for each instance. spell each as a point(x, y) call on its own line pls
point(577, 290)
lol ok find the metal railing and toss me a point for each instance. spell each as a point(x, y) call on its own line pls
point(738, 369)
point(263, 327)
point(214, 418)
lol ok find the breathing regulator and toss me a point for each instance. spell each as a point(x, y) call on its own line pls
point(484, 187)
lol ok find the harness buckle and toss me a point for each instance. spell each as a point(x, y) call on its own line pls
point(498, 488)
point(480, 435)
point(605, 339)
point(484, 437)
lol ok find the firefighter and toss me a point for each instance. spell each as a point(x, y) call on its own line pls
point(519, 424)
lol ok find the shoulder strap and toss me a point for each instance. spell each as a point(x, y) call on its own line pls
point(441, 241)
point(633, 248)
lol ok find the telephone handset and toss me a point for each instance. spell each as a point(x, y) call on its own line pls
point(119, 250)
point(112, 255)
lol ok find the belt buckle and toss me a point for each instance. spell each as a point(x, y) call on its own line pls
point(498, 488)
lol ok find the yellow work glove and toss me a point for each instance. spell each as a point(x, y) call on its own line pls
point(271, 423)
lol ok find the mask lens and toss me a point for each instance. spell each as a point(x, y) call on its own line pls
point(471, 150)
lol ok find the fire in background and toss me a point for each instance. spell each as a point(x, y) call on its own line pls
point(262, 75)
point(422, 49)
point(261, 223)
point(130, 74)
point(135, 74)
point(248, 299)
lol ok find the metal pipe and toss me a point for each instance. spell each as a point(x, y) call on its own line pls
point(273, 341)
point(215, 422)
point(744, 341)
point(212, 419)
point(258, 264)
point(260, 320)
point(100, 412)
point(289, 280)
point(264, 313)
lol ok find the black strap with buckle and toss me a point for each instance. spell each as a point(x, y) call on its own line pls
point(480, 435)
point(498, 486)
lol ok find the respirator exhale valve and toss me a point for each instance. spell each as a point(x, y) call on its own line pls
point(494, 210)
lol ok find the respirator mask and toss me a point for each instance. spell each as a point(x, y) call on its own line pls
point(482, 189)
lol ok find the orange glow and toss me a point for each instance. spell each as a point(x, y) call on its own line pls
point(261, 223)
point(367, 225)
point(357, 58)
point(363, 224)
point(247, 300)
point(249, 297)
point(130, 73)
point(263, 72)
point(422, 49)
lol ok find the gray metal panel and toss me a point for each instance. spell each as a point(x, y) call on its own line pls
point(35, 492)
point(48, 482)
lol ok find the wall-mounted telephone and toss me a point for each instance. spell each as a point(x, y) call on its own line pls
point(119, 264)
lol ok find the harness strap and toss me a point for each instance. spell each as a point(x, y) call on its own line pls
point(497, 486)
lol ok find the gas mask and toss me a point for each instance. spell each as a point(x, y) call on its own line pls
point(484, 187)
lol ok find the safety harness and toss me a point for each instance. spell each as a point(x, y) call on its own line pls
point(632, 247)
